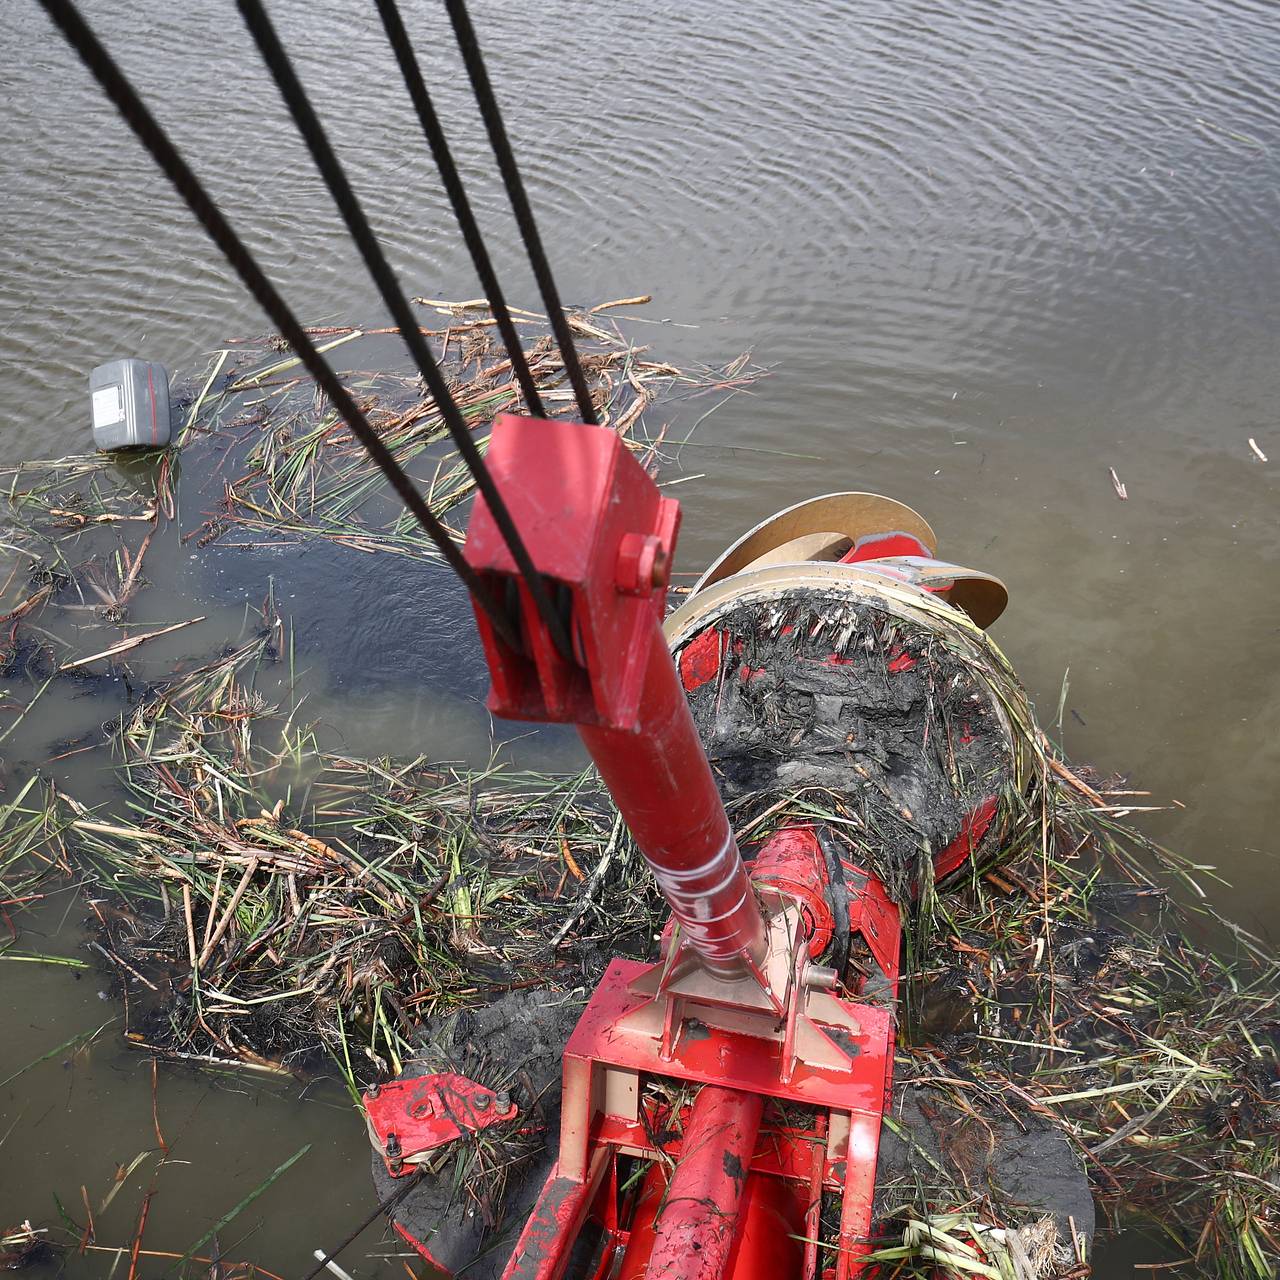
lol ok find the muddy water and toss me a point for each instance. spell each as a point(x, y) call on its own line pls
point(989, 251)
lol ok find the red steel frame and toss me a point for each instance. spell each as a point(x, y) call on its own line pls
point(607, 1063)
point(737, 1003)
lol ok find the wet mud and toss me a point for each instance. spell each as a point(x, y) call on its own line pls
point(822, 693)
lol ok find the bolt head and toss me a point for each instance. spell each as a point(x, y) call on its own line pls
point(661, 568)
point(643, 564)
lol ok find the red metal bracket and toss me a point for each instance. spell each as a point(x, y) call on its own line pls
point(410, 1118)
point(603, 537)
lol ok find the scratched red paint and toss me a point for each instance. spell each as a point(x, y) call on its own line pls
point(972, 829)
point(901, 661)
point(700, 659)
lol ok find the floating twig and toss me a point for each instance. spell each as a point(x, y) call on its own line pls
point(126, 646)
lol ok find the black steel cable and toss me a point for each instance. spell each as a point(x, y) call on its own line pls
point(117, 87)
point(344, 196)
point(385, 1205)
point(402, 46)
point(492, 117)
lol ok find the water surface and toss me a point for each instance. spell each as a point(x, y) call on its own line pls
point(989, 252)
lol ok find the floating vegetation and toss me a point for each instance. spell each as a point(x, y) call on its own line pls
point(268, 461)
point(961, 1246)
point(275, 905)
point(237, 933)
point(271, 904)
point(32, 850)
point(286, 465)
point(1068, 982)
point(24, 1246)
point(1153, 1036)
point(73, 537)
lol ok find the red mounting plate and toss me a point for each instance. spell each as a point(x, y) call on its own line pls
point(409, 1118)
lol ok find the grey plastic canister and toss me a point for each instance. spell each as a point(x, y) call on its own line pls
point(130, 405)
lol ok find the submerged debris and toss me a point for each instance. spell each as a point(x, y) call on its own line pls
point(1095, 999)
point(74, 535)
point(25, 1246)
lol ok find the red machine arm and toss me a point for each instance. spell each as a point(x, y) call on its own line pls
point(599, 531)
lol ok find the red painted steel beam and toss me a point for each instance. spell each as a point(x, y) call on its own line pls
point(601, 534)
point(698, 1224)
point(663, 786)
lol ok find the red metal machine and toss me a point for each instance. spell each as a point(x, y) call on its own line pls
point(779, 1064)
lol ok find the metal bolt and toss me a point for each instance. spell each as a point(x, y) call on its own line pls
point(373, 1090)
point(483, 1101)
point(661, 566)
point(643, 564)
point(503, 1100)
point(394, 1161)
